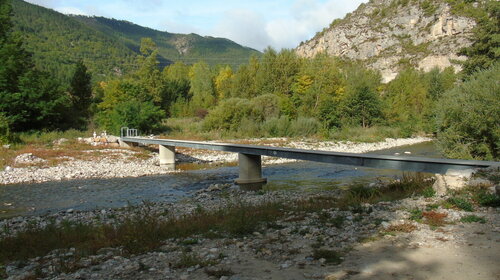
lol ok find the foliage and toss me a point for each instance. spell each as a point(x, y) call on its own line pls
point(485, 50)
point(362, 105)
point(407, 100)
point(472, 219)
point(29, 99)
point(80, 95)
point(468, 118)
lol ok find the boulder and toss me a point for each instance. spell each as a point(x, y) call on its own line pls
point(452, 180)
point(112, 139)
point(61, 141)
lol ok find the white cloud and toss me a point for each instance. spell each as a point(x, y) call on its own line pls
point(244, 27)
point(299, 23)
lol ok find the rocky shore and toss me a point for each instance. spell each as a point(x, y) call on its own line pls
point(377, 241)
point(116, 162)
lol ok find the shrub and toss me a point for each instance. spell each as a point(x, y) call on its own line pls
point(304, 126)
point(265, 107)
point(275, 127)
point(228, 114)
point(144, 116)
point(468, 119)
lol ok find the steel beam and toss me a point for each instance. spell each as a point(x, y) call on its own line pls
point(417, 164)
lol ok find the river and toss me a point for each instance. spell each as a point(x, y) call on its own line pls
point(89, 194)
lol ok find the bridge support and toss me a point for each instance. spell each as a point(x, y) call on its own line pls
point(250, 171)
point(167, 155)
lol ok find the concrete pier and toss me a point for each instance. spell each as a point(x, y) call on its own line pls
point(250, 170)
point(167, 155)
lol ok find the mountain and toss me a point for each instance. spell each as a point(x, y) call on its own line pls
point(389, 35)
point(109, 47)
point(188, 48)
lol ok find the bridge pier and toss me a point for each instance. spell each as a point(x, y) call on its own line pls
point(250, 173)
point(167, 155)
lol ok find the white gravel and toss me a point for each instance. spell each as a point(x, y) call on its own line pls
point(119, 164)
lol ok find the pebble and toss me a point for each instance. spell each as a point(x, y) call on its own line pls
point(119, 165)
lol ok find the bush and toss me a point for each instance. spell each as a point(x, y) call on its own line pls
point(228, 114)
point(468, 119)
point(265, 107)
point(4, 129)
point(144, 116)
point(277, 127)
point(304, 126)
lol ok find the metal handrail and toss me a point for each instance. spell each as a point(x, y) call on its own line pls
point(128, 132)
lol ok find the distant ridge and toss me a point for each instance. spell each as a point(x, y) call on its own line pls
point(109, 47)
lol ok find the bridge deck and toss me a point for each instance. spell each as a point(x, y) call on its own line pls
point(417, 164)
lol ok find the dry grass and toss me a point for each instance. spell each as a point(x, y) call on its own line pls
point(434, 219)
point(405, 227)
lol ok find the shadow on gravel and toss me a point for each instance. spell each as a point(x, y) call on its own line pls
point(474, 257)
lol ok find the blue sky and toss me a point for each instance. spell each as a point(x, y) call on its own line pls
point(253, 23)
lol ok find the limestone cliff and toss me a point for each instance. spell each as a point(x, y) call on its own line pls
point(389, 34)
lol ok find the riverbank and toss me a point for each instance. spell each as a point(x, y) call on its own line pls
point(309, 236)
point(64, 162)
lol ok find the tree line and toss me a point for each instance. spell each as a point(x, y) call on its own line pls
point(277, 94)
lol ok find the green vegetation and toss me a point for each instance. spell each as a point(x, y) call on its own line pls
point(108, 47)
point(473, 219)
point(277, 94)
point(468, 118)
point(142, 230)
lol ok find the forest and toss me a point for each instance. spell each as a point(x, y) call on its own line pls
point(277, 94)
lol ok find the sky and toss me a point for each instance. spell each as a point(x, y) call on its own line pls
point(253, 23)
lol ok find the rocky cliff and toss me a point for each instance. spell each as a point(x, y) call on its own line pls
point(390, 34)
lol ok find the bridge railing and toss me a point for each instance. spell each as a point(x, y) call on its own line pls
point(128, 132)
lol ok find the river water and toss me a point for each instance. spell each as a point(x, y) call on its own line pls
point(89, 194)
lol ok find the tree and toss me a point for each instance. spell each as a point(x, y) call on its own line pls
point(468, 119)
point(485, 50)
point(81, 95)
point(407, 101)
point(29, 99)
point(202, 87)
point(362, 103)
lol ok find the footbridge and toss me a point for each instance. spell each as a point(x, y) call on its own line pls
point(250, 164)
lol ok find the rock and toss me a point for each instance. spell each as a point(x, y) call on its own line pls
point(453, 180)
point(364, 36)
point(8, 168)
point(28, 158)
point(6, 146)
point(61, 141)
point(112, 139)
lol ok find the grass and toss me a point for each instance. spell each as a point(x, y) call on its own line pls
point(142, 230)
point(408, 185)
point(405, 227)
point(189, 260)
point(434, 219)
point(41, 145)
point(461, 203)
point(219, 272)
point(473, 219)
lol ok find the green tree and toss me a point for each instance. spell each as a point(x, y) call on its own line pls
point(202, 87)
point(277, 72)
point(468, 118)
point(486, 47)
point(81, 95)
point(407, 101)
point(362, 104)
point(29, 99)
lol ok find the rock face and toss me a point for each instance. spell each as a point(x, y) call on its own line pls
point(388, 34)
